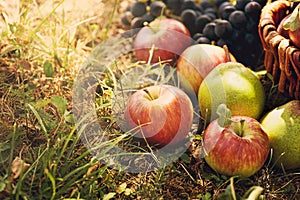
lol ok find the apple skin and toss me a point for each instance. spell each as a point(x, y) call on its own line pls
point(295, 37)
point(169, 36)
point(196, 62)
point(230, 154)
point(280, 28)
point(282, 125)
point(163, 112)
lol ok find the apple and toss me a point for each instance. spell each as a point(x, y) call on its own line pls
point(295, 37)
point(196, 62)
point(240, 148)
point(282, 126)
point(280, 28)
point(167, 37)
point(236, 86)
point(292, 25)
point(162, 114)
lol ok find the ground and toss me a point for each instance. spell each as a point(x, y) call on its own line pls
point(43, 45)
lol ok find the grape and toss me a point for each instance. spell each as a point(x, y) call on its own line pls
point(236, 35)
point(226, 11)
point(157, 8)
point(223, 28)
point(261, 2)
point(251, 25)
point(250, 38)
point(138, 9)
point(198, 13)
point(206, 4)
point(240, 4)
point(148, 17)
point(203, 40)
point(174, 6)
point(212, 16)
point(188, 17)
point(201, 21)
point(197, 35)
point(209, 31)
point(137, 22)
point(226, 3)
point(219, 2)
point(199, 8)
point(126, 18)
point(238, 19)
point(188, 4)
point(253, 9)
point(221, 42)
point(210, 10)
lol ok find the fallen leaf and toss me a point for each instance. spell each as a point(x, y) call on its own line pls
point(18, 166)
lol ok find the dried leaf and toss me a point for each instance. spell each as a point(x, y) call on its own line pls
point(18, 166)
point(121, 188)
point(109, 196)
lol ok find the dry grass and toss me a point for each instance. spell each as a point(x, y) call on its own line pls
point(36, 123)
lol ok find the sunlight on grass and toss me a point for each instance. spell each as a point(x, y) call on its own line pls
point(43, 46)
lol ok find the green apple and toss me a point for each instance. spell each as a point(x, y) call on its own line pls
point(282, 126)
point(234, 85)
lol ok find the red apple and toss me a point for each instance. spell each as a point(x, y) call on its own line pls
point(295, 37)
point(163, 112)
point(280, 28)
point(167, 37)
point(240, 148)
point(196, 62)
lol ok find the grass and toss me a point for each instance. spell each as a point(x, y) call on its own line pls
point(41, 154)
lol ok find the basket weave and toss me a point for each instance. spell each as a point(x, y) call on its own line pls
point(282, 58)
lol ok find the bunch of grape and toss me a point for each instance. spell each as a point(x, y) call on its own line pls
point(216, 22)
point(140, 12)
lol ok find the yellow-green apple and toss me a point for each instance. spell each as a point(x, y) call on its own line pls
point(162, 40)
point(196, 62)
point(282, 125)
point(236, 86)
point(162, 114)
point(292, 25)
point(239, 148)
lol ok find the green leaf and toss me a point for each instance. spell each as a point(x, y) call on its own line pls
point(48, 69)
point(60, 103)
point(121, 188)
point(109, 196)
point(253, 193)
point(206, 196)
point(40, 120)
point(69, 117)
point(224, 115)
point(2, 186)
point(292, 23)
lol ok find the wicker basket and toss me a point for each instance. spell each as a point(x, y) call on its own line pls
point(282, 58)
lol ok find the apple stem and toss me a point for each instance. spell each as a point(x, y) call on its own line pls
point(241, 126)
point(148, 93)
point(227, 54)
